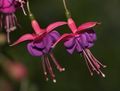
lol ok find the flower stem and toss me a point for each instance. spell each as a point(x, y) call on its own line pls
point(24, 85)
point(29, 11)
point(68, 15)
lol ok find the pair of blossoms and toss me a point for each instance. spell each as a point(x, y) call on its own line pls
point(43, 41)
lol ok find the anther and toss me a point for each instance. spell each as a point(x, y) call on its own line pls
point(54, 80)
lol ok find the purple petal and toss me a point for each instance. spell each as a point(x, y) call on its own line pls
point(90, 45)
point(69, 43)
point(83, 40)
point(91, 36)
point(47, 40)
point(71, 50)
point(33, 51)
point(78, 46)
point(39, 45)
point(55, 35)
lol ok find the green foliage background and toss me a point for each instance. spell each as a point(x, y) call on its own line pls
point(106, 49)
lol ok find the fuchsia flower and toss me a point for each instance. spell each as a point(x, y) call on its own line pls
point(40, 45)
point(80, 40)
point(7, 16)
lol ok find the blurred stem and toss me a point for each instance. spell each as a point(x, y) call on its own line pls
point(24, 85)
point(68, 15)
point(29, 11)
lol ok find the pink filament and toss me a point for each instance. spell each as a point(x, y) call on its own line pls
point(47, 68)
point(92, 63)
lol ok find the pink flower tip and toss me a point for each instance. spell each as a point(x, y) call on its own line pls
point(87, 25)
point(36, 27)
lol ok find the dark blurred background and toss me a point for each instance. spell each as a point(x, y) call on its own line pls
point(76, 77)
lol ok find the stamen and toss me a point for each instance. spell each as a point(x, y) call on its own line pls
point(94, 63)
point(44, 68)
point(8, 36)
point(91, 73)
point(54, 80)
point(14, 19)
point(92, 59)
point(49, 68)
point(104, 66)
point(7, 23)
point(103, 75)
point(56, 63)
point(89, 61)
point(22, 6)
point(47, 79)
point(13, 28)
point(12, 23)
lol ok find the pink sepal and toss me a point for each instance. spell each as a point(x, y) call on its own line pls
point(72, 25)
point(23, 38)
point(86, 26)
point(54, 25)
point(36, 27)
point(64, 36)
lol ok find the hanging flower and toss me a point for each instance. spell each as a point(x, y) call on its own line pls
point(80, 40)
point(7, 16)
point(40, 45)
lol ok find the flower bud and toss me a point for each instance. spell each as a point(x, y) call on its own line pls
point(16, 71)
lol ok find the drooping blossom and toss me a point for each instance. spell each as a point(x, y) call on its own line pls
point(8, 20)
point(81, 40)
point(40, 45)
